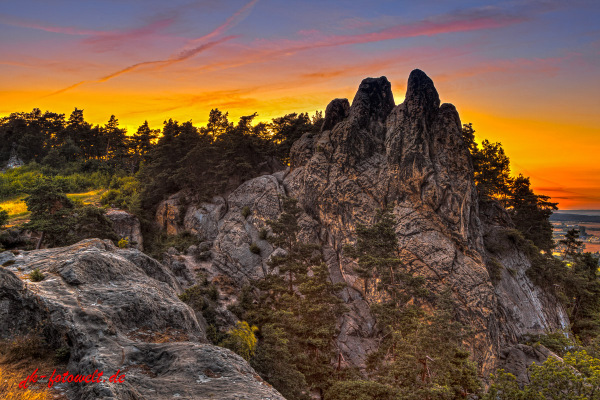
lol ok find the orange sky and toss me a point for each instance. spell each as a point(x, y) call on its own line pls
point(525, 73)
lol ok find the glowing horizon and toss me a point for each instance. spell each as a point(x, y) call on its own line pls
point(524, 73)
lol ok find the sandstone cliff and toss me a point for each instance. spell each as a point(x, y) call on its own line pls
point(369, 155)
point(118, 310)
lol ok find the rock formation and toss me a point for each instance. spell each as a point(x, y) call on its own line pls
point(374, 154)
point(127, 226)
point(118, 310)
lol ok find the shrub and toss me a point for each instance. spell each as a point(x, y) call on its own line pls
point(254, 248)
point(246, 212)
point(3, 218)
point(495, 270)
point(36, 276)
point(241, 340)
point(194, 297)
point(263, 234)
point(62, 354)
point(22, 347)
point(123, 243)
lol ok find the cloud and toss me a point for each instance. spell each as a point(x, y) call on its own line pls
point(110, 39)
point(459, 21)
point(158, 63)
point(191, 49)
point(96, 37)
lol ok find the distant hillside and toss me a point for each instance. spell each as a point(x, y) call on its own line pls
point(576, 215)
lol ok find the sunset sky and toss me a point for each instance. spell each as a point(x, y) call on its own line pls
point(525, 73)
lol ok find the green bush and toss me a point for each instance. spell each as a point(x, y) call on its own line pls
point(36, 275)
point(254, 248)
point(263, 234)
point(3, 218)
point(495, 270)
point(62, 354)
point(123, 243)
point(246, 212)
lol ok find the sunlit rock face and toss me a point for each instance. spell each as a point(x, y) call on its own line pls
point(410, 157)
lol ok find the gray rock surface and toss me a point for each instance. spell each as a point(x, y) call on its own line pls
point(410, 157)
point(118, 310)
point(128, 226)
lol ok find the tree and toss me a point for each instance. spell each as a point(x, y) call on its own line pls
point(142, 142)
point(571, 243)
point(241, 340)
point(50, 213)
point(287, 129)
point(420, 353)
point(116, 141)
point(583, 291)
point(376, 251)
point(531, 213)
point(218, 124)
point(296, 311)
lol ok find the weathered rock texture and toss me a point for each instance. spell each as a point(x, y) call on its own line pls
point(118, 309)
point(374, 154)
point(127, 226)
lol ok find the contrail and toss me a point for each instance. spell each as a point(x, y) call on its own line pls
point(188, 51)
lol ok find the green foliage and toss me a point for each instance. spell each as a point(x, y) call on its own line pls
point(296, 310)
point(505, 387)
point(582, 288)
point(3, 218)
point(91, 222)
point(559, 342)
point(360, 390)
point(36, 276)
point(51, 213)
point(254, 248)
point(491, 171)
point(263, 234)
point(376, 250)
point(202, 298)
point(576, 377)
point(123, 193)
point(531, 213)
point(123, 243)
point(571, 243)
point(241, 340)
point(420, 353)
point(246, 212)
point(62, 354)
point(494, 269)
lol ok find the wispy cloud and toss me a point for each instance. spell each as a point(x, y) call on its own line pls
point(95, 37)
point(459, 21)
point(182, 56)
point(192, 48)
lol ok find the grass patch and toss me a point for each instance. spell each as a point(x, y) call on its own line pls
point(92, 197)
point(16, 209)
point(9, 387)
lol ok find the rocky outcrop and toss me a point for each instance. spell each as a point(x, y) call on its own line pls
point(412, 158)
point(118, 310)
point(127, 226)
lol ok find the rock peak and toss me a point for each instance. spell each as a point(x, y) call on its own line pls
point(373, 101)
point(336, 111)
point(421, 92)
